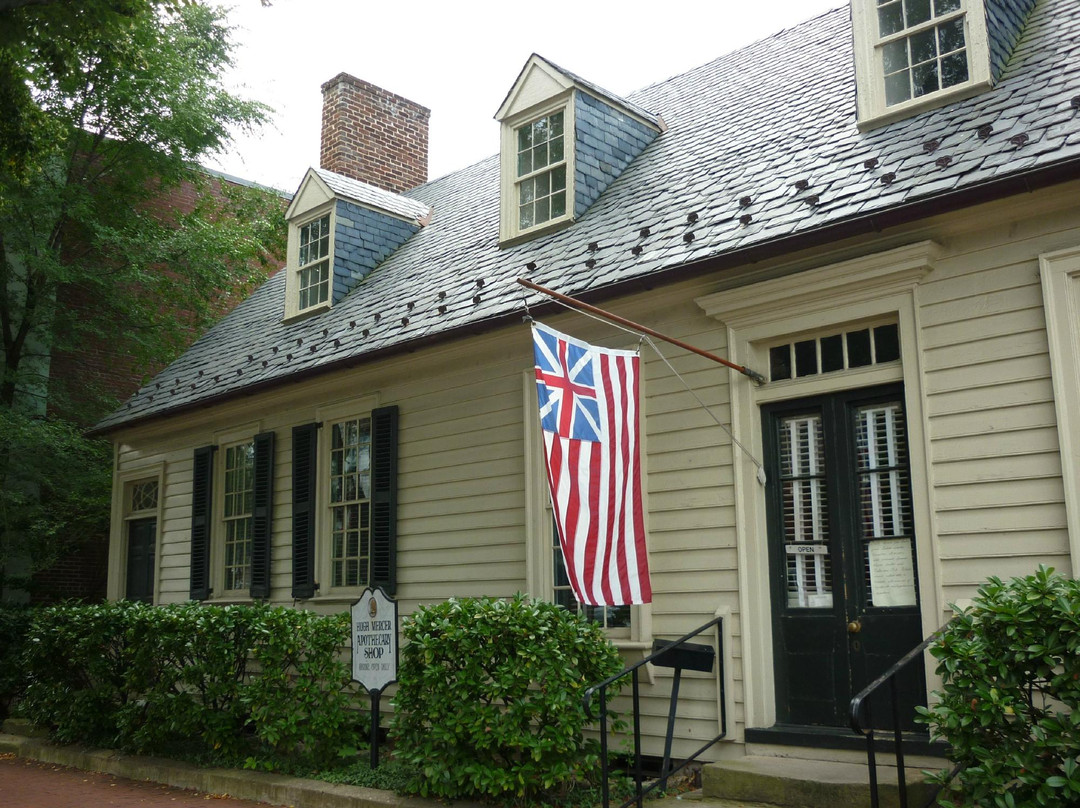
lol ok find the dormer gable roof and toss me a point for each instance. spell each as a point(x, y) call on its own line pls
point(541, 79)
point(319, 186)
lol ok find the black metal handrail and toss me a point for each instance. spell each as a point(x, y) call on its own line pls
point(632, 670)
point(861, 704)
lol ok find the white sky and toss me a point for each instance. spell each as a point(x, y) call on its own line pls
point(459, 59)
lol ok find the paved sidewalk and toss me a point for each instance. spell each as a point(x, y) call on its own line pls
point(32, 784)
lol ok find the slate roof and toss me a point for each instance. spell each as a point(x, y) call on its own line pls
point(762, 146)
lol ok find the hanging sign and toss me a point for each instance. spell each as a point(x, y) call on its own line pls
point(374, 639)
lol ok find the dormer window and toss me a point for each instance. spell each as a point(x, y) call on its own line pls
point(913, 55)
point(541, 171)
point(563, 142)
point(313, 263)
point(923, 47)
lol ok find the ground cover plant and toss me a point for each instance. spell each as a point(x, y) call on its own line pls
point(489, 700)
point(259, 684)
point(1010, 701)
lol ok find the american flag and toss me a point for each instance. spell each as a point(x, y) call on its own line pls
point(588, 400)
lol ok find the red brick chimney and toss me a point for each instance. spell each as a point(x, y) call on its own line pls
point(372, 135)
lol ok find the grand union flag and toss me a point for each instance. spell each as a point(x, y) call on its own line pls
point(588, 399)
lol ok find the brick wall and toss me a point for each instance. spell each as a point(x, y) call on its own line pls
point(373, 135)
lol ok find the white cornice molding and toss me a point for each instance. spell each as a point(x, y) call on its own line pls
point(823, 288)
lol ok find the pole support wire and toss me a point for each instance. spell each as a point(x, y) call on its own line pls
point(607, 315)
point(644, 336)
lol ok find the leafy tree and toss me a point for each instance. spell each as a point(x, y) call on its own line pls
point(112, 103)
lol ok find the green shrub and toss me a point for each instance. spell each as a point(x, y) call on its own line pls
point(15, 621)
point(489, 698)
point(1010, 704)
point(234, 681)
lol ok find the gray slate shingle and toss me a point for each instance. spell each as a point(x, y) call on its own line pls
point(750, 124)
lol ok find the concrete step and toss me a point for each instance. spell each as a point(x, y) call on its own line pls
point(796, 783)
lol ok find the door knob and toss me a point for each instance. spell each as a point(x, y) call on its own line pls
point(854, 627)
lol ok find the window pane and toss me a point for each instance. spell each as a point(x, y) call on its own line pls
point(543, 184)
point(543, 210)
point(525, 217)
point(805, 511)
point(894, 56)
point(540, 156)
point(806, 358)
point(925, 78)
point(524, 138)
point(780, 363)
point(858, 348)
point(945, 6)
point(951, 36)
point(923, 47)
point(954, 69)
point(832, 353)
point(528, 192)
point(524, 163)
point(887, 343)
point(916, 12)
point(890, 18)
point(558, 204)
point(558, 178)
point(897, 88)
point(556, 125)
point(556, 151)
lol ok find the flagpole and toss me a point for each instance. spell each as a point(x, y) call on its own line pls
point(582, 306)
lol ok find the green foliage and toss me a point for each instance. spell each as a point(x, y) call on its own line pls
point(1010, 707)
point(14, 626)
point(489, 698)
point(62, 496)
point(256, 681)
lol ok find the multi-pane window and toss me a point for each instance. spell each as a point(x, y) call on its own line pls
point(805, 511)
point(563, 594)
point(856, 348)
point(350, 502)
point(541, 171)
point(923, 47)
point(313, 262)
point(143, 496)
point(239, 493)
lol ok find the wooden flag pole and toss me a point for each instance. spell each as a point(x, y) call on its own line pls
point(607, 315)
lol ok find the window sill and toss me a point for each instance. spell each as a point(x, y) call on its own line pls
point(296, 316)
point(534, 232)
point(916, 106)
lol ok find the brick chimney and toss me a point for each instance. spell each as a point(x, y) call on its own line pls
point(372, 135)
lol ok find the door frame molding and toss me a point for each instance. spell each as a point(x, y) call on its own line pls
point(879, 285)
point(118, 534)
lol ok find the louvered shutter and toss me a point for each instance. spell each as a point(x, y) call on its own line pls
point(304, 455)
point(202, 497)
point(262, 515)
point(384, 461)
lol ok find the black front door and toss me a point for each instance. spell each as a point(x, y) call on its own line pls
point(841, 552)
point(142, 538)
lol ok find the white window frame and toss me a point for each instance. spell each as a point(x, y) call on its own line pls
point(1060, 275)
point(510, 230)
point(328, 416)
point(540, 524)
point(874, 288)
point(870, 70)
point(220, 534)
point(294, 269)
point(121, 515)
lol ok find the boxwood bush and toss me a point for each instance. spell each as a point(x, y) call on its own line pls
point(263, 682)
point(1010, 703)
point(489, 699)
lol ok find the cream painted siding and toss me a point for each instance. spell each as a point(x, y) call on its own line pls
point(993, 497)
point(996, 468)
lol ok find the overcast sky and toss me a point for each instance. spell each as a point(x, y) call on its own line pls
point(459, 59)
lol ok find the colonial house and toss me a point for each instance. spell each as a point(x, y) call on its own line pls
point(877, 210)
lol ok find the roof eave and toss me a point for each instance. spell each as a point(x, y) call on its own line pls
point(1012, 185)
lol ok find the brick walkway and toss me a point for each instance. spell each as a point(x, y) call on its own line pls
point(30, 784)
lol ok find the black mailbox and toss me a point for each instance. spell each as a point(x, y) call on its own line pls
point(688, 656)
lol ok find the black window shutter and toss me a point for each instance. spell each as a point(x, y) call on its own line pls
point(384, 466)
point(262, 515)
point(304, 453)
point(202, 497)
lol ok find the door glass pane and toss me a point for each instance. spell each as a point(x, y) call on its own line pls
point(884, 484)
point(805, 512)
